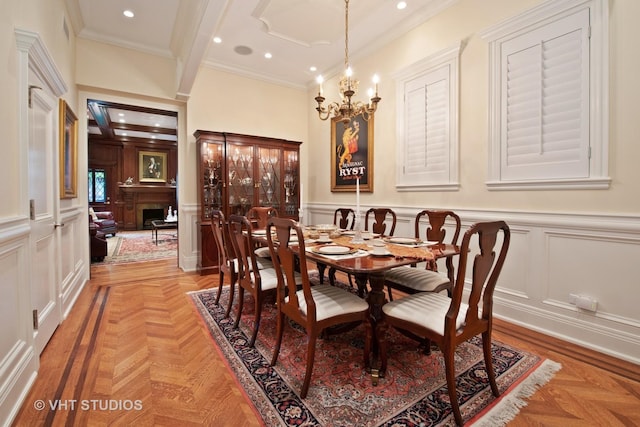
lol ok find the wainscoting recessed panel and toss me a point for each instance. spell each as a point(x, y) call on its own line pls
point(515, 278)
point(9, 301)
point(604, 268)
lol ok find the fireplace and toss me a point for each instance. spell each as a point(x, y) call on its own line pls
point(149, 215)
point(147, 212)
point(135, 199)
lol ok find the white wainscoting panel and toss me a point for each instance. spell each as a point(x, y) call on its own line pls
point(18, 361)
point(551, 256)
point(74, 243)
point(189, 249)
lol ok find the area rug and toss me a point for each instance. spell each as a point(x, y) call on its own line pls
point(137, 246)
point(413, 392)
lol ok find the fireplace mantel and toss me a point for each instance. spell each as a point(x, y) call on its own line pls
point(148, 195)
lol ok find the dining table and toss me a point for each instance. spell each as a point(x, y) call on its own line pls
point(367, 268)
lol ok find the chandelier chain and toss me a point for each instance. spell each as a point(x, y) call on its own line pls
point(346, 34)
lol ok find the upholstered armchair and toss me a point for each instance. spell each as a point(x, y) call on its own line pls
point(104, 221)
point(98, 243)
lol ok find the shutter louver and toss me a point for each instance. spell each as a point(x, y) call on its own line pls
point(427, 128)
point(545, 120)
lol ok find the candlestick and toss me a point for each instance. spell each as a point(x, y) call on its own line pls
point(357, 236)
point(358, 196)
point(300, 212)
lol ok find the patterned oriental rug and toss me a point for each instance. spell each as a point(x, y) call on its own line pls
point(413, 392)
point(138, 246)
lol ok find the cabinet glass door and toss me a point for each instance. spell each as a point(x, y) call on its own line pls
point(241, 180)
point(269, 176)
point(291, 184)
point(212, 184)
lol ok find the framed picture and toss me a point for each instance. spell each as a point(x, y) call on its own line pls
point(68, 152)
point(152, 166)
point(352, 154)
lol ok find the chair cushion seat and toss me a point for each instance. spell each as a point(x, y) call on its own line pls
point(263, 252)
point(427, 309)
point(263, 263)
point(332, 301)
point(417, 279)
point(269, 278)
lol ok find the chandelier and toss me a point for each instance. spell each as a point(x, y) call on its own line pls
point(347, 108)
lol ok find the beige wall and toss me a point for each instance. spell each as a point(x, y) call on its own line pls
point(463, 22)
point(229, 103)
point(110, 67)
point(45, 19)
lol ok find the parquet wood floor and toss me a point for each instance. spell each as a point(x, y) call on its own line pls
point(134, 341)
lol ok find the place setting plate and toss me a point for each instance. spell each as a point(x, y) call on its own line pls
point(403, 240)
point(334, 250)
point(385, 253)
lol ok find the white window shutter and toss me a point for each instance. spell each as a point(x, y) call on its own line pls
point(545, 102)
point(426, 145)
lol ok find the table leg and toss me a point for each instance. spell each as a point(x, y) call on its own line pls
point(376, 299)
point(321, 268)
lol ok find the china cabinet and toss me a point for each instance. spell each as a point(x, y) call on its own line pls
point(237, 172)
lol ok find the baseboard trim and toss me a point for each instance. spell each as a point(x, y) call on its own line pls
point(599, 360)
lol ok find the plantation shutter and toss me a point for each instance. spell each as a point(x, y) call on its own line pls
point(545, 102)
point(426, 154)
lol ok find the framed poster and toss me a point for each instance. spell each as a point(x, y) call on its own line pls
point(352, 154)
point(152, 166)
point(68, 152)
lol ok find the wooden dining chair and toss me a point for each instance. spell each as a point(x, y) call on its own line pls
point(412, 280)
point(450, 321)
point(345, 218)
point(380, 219)
point(227, 261)
point(259, 280)
point(312, 307)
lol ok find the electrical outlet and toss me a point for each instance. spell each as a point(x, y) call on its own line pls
point(573, 298)
point(587, 303)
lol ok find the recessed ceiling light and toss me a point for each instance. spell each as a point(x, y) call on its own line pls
point(217, 40)
point(153, 137)
point(128, 13)
point(313, 68)
point(401, 5)
point(267, 55)
point(124, 134)
point(122, 121)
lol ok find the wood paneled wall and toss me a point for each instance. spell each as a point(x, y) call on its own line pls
point(120, 160)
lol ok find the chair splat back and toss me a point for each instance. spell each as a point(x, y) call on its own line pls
point(259, 215)
point(344, 218)
point(381, 218)
point(435, 231)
